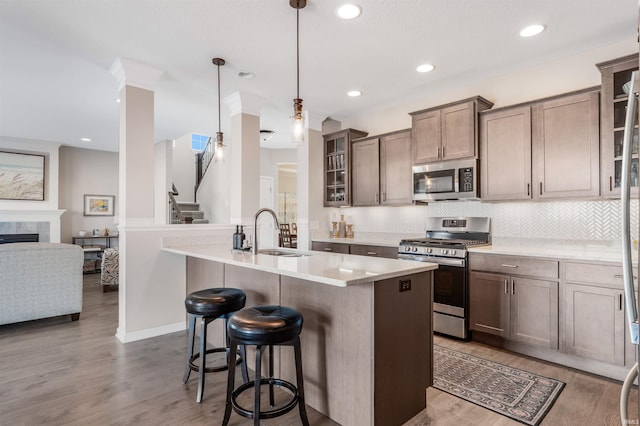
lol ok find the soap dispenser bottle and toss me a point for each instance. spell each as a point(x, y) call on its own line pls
point(241, 238)
point(236, 238)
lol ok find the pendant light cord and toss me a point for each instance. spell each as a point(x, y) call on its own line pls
point(298, 53)
point(218, 98)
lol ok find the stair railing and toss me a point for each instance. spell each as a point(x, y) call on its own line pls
point(174, 208)
point(203, 160)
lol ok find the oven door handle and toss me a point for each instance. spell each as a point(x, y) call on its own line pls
point(451, 262)
point(433, 259)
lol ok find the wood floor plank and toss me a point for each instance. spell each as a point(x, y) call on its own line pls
point(58, 372)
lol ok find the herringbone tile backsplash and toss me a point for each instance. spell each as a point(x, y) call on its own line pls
point(566, 220)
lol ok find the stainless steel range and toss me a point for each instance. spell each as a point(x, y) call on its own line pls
point(445, 243)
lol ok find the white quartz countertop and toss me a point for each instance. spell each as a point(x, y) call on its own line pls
point(592, 252)
point(336, 269)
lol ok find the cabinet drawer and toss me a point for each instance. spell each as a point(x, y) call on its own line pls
point(330, 247)
point(515, 265)
point(375, 251)
point(606, 275)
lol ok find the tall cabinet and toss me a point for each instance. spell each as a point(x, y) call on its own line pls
point(614, 75)
point(337, 163)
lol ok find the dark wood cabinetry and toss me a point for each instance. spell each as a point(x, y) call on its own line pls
point(543, 149)
point(381, 170)
point(357, 249)
point(337, 164)
point(613, 104)
point(515, 298)
point(447, 132)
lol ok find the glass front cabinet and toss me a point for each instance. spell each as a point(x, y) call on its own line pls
point(337, 165)
point(615, 74)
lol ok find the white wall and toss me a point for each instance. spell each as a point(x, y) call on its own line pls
point(86, 171)
point(287, 179)
point(183, 172)
point(510, 87)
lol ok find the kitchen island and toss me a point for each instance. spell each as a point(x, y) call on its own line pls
point(367, 334)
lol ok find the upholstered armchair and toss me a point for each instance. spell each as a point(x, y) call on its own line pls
point(109, 270)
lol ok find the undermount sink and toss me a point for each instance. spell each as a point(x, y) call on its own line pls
point(276, 252)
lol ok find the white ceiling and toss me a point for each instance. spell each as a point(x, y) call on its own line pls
point(55, 56)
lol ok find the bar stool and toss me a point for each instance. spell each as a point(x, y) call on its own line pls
point(265, 326)
point(208, 305)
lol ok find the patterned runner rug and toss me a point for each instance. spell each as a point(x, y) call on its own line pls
point(514, 393)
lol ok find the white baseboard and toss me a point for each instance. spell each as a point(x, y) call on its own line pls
point(150, 332)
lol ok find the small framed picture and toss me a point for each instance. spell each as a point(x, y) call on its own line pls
point(99, 205)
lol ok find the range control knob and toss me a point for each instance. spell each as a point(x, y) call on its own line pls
point(445, 251)
point(429, 250)
point(415, 249)
point(452, 252)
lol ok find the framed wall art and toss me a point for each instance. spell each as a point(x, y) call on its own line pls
point(99, 205)
point(21, 176)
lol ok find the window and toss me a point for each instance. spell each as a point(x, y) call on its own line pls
point(198, 142)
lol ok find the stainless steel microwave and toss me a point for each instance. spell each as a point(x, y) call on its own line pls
point(450, 180)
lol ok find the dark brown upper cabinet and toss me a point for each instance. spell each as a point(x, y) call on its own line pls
point(447, 132)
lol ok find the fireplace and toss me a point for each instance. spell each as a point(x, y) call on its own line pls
point(19, 238)
point(45, 223)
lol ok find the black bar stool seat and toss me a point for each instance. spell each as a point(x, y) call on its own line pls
point(208, 305)
point(265, 326)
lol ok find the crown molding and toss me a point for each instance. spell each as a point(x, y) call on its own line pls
point(132, 73)
point(244, 103)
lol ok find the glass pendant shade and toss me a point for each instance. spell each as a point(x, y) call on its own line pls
point(219, 152)
point(297, 122)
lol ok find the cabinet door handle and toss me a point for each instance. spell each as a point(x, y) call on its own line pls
point(513, 287)
point(528, 189)
point(508, 265)
point(438, 152)
point(372, 253)
point(621, 276)
point(620, 301)
point(376, 197)
point(384, 196)
point(506, 286)
point(443, 152)
point(610, 183)
point(540, 188)
point(328, 249)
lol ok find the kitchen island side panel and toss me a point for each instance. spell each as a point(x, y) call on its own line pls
point(403, 360)
point(337, 347)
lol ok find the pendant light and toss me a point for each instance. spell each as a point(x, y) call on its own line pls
point(219, 151)
point(297, 119)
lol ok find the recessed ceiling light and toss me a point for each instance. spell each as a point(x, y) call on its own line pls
point(425, 68)
point(349, 11)
point(246, 75)
point(532, 30)
point(354, 93)
point(85, 139)
point(117, 100)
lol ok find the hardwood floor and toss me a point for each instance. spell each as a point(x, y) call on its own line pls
point(58, 372)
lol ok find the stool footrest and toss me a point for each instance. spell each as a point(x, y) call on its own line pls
point(270, 413)
point(195, 367)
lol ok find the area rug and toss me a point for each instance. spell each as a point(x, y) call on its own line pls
point(518, 394)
